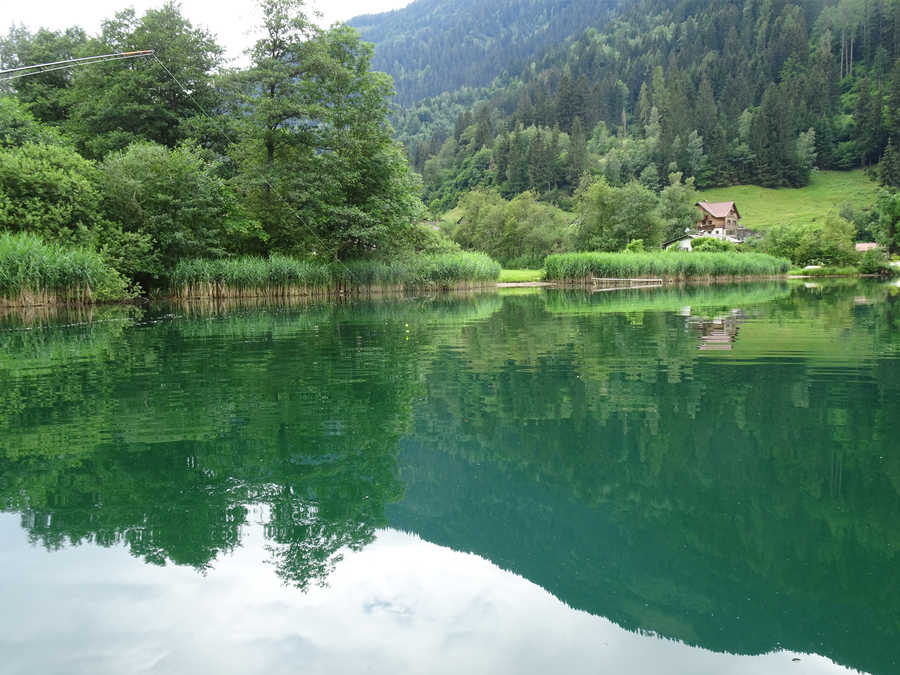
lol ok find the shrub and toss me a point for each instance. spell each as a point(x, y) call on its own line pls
point(874, 262)
point(712, 245)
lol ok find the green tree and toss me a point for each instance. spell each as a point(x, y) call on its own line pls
point(117, 103)
point(316, 161)
point(609, 217)
point(49, 190)
point(677, 209)
point(887, 227)
point(174, 200)
point(18, 126)
point(44, 95)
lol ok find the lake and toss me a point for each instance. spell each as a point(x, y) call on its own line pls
point(685, 480)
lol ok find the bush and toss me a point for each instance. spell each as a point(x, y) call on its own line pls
point(874, 262)
point(518, 233)
point(830, 243)
point(712, 245)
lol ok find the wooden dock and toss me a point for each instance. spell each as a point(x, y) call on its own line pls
point(625, 284)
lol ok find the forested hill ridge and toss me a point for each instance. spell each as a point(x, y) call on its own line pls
point(726, 91)
point(433, 46)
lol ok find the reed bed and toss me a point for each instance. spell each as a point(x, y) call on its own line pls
point(582, 268)
point(33, 272)
point(280, 276)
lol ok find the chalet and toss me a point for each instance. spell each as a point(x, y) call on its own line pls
point(720, 220)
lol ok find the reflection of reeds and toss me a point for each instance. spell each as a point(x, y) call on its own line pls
point(34, 273)
point(37, 316)
point(667, 299)
point(281, 277)
point(583, 268)
point(218, 305)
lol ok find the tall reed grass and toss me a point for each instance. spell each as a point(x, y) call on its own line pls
point(584, 267)
point(33, 272)
point(279, 276)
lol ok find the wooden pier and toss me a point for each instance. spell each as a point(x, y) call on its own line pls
point(624, 284)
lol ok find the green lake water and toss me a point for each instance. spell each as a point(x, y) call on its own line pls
point(696, 480)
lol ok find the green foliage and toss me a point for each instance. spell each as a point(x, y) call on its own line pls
point(280, 276)
point(766, 100)
point(712, 244)
point(582, 267)
point(444, 46)
point(875, 261)
point(610, 217)
point(677, 209)
point(44, 95)
point(173, 205)
point(887, 225)
point(114, 105)
point(430, 239)
point(49, 190)
point(518, 233)
point(33, 272)
point(316, 161)
point(831, 243)
point(18, 126)
point(635, 246)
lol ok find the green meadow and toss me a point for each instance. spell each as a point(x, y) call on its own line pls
point(761, 208)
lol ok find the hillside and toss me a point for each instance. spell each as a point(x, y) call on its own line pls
point(435, 46)
point(828, 191)
point(726, 91)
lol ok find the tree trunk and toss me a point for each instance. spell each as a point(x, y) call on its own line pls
point(842, 53)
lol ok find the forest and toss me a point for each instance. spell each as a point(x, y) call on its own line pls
point(516, 129)
point(154, 160)
point(723, 92)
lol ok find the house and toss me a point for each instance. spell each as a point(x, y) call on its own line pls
point(720, 220)
point(863, 246)
point(682, 243)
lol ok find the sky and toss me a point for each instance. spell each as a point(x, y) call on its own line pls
point(231, 20)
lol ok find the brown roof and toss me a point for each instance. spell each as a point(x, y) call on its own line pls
point(718, 209)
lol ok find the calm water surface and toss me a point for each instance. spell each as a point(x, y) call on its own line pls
point(703, 480)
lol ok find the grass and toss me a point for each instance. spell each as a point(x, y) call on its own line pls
point(279, 276)
point(762, 208)
point(33, 272)
point(583, 267)
point(520, 276)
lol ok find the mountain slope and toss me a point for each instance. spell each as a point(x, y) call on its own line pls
point(434, 46)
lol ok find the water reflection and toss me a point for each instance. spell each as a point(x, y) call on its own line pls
point(739, 501)
point(400, 605)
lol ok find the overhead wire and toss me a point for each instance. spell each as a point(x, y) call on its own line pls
point(65, 64)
